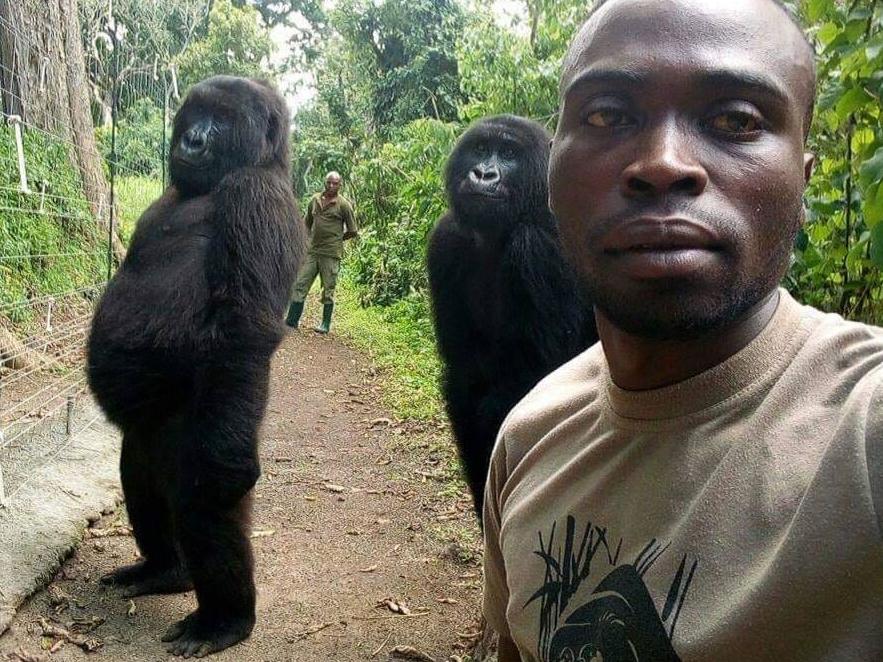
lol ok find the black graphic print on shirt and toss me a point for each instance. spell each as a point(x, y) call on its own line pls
point(619, 622)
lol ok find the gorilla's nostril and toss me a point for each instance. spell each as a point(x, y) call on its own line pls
point(194, 141)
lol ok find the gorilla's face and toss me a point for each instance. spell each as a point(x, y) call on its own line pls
point(497, 172)
point(224, 124)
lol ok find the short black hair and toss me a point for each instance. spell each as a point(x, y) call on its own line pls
point(790, 11)
point(784, 4)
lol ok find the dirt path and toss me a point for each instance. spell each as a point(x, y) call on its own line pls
point(348, 513)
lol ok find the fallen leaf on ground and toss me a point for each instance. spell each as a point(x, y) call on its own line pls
point(132, 610)
point(449, 601)
point(370, 568)
point(55, 631)
point(394, 606)
point(263, 533)
point(331, 487)
point(410, 653)
point(300, 636)
point(83, 625)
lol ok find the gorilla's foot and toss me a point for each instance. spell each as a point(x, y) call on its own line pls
point(145, 578)
point(198, 635)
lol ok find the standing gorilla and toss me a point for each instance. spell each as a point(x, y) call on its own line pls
point(505, 305)
point(180, 348)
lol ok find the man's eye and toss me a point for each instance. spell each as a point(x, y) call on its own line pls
point(607, 119)
point(736, 122)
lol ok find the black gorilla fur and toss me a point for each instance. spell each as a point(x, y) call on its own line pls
point(180, 349)
point(506, 306)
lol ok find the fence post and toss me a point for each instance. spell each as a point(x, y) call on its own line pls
point(114, 102)
point(15, 121)
point(2, 486)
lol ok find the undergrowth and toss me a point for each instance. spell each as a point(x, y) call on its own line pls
point(400, 340)
point(49, 241)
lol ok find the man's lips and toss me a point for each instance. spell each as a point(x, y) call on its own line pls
point(651, 248)
point(649, 234)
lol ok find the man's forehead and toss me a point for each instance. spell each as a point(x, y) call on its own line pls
point(695, 34)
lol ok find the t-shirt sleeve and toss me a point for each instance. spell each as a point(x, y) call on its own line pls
point(350, 218)
point(874, 450)
point(496, 590)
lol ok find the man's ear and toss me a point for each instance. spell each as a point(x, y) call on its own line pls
point(809, 162)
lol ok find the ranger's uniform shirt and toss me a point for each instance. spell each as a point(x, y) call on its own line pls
point(734, 516)
point(326, 225)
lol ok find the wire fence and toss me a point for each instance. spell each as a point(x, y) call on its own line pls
point(60, 225)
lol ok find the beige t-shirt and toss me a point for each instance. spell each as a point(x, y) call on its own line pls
point(733, 516)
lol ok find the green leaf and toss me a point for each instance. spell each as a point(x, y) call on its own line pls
point(854, 99)
point(872, 208)
point(816, 9)
point(828, 33)
point(877, 245)
point(871, 171)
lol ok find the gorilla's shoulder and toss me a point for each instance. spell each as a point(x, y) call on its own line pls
point(573, 387)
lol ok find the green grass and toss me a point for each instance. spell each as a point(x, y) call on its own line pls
point(134, 194)
point(399, 340)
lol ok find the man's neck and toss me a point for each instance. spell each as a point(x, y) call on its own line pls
point(639, 364)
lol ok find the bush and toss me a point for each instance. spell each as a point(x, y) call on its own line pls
point(140, 146)
point(398, 190)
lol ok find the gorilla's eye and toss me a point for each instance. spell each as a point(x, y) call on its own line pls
point(608, 118)
point(736, 122)
point(507, 152)
point(481, 149)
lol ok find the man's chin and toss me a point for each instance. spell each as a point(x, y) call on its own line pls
point(682, 316)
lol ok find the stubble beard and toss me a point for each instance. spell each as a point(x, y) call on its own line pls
point(683, 310)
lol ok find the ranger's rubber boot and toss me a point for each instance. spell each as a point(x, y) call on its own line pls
point(325, 326)
point(295, 310)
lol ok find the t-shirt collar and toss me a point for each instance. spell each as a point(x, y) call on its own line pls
point(717, 384)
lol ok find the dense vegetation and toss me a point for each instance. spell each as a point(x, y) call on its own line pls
point(394, 159)
point(395, 82)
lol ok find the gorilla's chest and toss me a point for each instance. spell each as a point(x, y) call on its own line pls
point(163, 281)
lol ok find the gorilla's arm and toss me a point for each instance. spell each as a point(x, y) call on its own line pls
point(255, 249)
point(230, 396)
point(449, 261)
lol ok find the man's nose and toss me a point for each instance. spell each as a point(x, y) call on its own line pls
point(665, 163)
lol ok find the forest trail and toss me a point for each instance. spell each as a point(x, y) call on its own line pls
point(350, 522)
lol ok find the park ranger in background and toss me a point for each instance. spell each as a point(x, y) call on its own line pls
point(330, 221)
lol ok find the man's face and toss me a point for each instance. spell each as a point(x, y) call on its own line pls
point(677, 169)
point(332, 186)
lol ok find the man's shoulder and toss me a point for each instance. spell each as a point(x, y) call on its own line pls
point(570, 389)
point(345, 202)
point(852, 349)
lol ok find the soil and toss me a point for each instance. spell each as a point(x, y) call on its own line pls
point(354, 521)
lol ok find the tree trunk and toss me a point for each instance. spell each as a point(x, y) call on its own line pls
point(44, 81)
